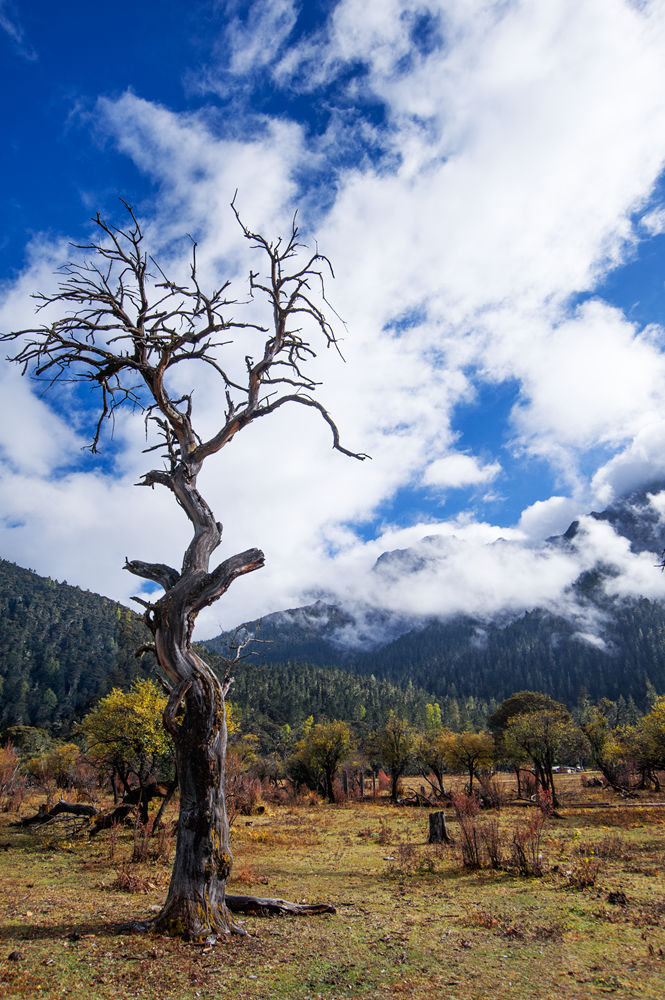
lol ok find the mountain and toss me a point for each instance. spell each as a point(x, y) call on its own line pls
point(600, 637)
point(634, 517)
point(63, 648)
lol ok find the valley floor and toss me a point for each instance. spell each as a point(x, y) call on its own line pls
point(410, 921)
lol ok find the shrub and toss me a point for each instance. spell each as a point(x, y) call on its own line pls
point(480, 839)
point(383, 782)
point(59, 765)
point(492, 793)
point(584, 873)
point(149, 847)
point(527, 856)
point(466, 809)
point(129, 881)
point(385, 834)
point(12, 781)
point(243, 795)
point(528, 784)
point(491, 838)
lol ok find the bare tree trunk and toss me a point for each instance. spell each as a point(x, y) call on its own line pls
point(195, 716)
point(195, 906)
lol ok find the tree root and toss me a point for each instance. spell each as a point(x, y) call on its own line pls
point(263, 907)
point(200, 928)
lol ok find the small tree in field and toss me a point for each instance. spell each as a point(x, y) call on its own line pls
point(431, 753)
point(543, 736)
point(468, 752)
point(124, 737)
point(125, 331)
point(321, 751)
point(394, 745)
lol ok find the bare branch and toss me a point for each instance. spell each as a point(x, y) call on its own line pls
point(216, 583)
point(144, 604)
point(308, 401)
point(165, 576)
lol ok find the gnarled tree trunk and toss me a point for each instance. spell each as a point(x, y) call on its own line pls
point(195, 716)
point(195, 905)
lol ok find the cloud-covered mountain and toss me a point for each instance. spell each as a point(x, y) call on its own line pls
point(585, 611)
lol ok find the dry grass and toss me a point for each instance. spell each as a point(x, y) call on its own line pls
point(411, 921)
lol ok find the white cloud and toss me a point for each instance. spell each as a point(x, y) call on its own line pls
point(11, 25)
point(592, 379)
point(654, 222)
point(657, 501)
point(642, 462)
point(40, 441)
point(461, 576)
point(249, 45)
point(545, 518)
point(457, 470)
point(514, 151)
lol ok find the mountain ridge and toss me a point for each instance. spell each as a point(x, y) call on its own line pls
point(594, 642)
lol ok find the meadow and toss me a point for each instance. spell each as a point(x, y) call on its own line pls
point(411, 919)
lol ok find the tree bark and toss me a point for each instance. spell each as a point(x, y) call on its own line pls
point(195, 908)
point(438, 831)
point(195, 716)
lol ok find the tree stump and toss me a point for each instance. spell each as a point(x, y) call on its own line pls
point(438, 831)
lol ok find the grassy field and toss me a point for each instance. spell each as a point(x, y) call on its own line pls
point(411, 920)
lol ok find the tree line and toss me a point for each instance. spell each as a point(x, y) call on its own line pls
point(122, 741)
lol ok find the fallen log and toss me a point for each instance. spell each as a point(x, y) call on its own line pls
point(265, 907)
point(102, 821)
point(418, 800)
point(62, 806)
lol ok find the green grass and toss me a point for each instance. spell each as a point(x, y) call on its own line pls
point(410, 920)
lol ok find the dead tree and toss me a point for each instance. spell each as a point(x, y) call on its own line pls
point(122, 328)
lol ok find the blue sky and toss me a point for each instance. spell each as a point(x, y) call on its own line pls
point(487, 178)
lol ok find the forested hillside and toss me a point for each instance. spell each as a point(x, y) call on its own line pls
point(537, 651)
point(271, 695)
point(602, 645)
point(61, 649)
point(466, 657)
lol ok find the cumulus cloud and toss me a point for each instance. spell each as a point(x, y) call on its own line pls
point(459, 470)
point(511, 167)
point(591, 380)
point(548, 517)
point(641, 462)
